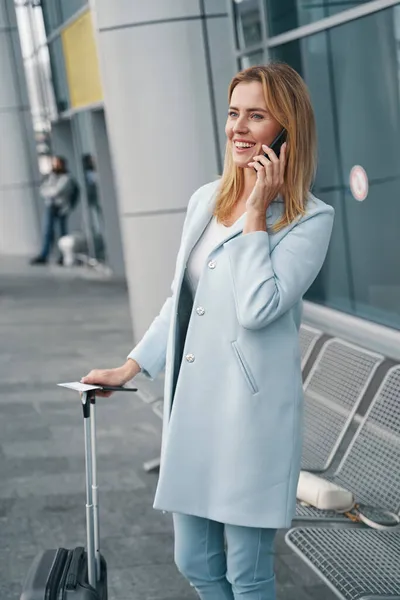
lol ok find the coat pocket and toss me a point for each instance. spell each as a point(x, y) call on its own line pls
point(248, 375)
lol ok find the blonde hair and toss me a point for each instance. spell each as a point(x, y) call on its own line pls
point(288, 101)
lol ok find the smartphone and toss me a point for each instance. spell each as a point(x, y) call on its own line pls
point(277, 143)
point(116, 388)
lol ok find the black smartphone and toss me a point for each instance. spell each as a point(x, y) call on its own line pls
point(116, 388)
point(278, 143)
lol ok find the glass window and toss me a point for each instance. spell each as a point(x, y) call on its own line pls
point(93, 218)
point(213, 7)
point(51, 15)
point(25, 31)
point(43, 61)
point(38, 26)
point(31, 29)
point(355, 93)
point(283, 15)
point(33, 85)
point(58, 74)
point(248, 22)
point(248, 60)
point(70, 7)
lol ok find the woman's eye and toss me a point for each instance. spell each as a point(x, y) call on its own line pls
point(232, 113)
point(257, 116)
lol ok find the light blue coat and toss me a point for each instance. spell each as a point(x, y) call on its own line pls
point(233, 399)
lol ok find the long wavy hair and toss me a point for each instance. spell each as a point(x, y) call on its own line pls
point(288, 102)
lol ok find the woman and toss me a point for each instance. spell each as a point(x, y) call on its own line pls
point(56, 190)
point(252, 244)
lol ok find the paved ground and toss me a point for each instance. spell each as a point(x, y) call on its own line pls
point(55, 326)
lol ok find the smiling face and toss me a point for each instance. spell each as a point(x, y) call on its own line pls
point(249, 124)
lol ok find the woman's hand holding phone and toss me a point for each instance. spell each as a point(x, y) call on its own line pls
point(269, 182)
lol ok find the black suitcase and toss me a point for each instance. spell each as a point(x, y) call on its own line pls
point(76, 574)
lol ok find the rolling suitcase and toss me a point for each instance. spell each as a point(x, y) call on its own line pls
point(78, 574)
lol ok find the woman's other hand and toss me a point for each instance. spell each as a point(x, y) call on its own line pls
point(118, 376)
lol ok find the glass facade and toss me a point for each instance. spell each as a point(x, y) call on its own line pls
point(51, 15)
point(69, 8)
point(56, 12)
point(248, 23)
point(284, 15)
point(59, 74)
point(38, 75)
point(354, 85)
point(248, 60)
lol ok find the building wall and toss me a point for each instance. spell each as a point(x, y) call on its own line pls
point(163, 101)
point(19, 217)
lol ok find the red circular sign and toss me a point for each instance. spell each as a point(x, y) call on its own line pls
point(359, 183)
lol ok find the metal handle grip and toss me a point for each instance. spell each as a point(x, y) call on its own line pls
point(92, 516)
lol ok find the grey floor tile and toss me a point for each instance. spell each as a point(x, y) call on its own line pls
point(299, 570)
point(10, 590)
point(52, 529)
point(45, 485)
point(283, 575)
point(280, 545)
point(291, 592)
point(61, 448)
point(15, 561)
point(320, 592)
point(23, 467)
point(139, 520)
point(148, 581)
point(190, 595)
point(17, 412)
point(6, 505)
point(16, 530)
point(32, 431)
point(122, 552)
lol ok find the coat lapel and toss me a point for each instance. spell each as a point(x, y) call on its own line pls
point(202, 217)
point(237, 228)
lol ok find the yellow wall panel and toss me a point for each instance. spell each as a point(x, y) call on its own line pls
point(81, 62)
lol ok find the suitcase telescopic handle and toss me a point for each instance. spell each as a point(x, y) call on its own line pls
point(92, 505)
point(92, 500)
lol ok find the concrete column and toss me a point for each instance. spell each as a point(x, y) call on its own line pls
point(19, 218)
point(107, 192)
point(163, 124)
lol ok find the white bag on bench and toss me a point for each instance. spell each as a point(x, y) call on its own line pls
point(323, 494)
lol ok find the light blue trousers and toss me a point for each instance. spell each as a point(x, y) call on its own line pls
point(243, 570)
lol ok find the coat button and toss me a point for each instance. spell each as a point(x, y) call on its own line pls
point(212, 264)
point(190, 358)
point(200, 311)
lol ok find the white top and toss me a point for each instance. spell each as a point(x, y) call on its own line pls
point(213, 234)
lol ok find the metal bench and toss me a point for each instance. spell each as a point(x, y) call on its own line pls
point(333, 392)
point(308, 337)
point(357, 562)
point(370, 466)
